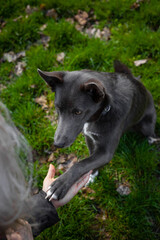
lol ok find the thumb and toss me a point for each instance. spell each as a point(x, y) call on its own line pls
point(51, 171)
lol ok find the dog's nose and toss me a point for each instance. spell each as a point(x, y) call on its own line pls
point(59, 144)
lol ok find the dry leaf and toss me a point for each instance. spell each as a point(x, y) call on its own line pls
point(52, 13)
point(88, 193)
point(44, 40)
point(60, 57)
point(97, 33)
point(61, 167)
point(43, 27)
point(61, 159)
point(51, 118)
point(81, 17)
point(66, 161)
point(33, 86)
point(21, 54)
point(140, 62)
point(136, 4)
point(16, 19)
point(70, 20)
point(2, 23)
point(123, 190)
point(42, 100)
point(51, 158)
point(106, 33)
point(2, 87)
point(12, 57)
point(43, 159)
point(42, 6)
point(79, 27)
point(19, 68)
point(29, 10)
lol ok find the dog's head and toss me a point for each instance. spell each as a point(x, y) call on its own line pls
point(79, 98)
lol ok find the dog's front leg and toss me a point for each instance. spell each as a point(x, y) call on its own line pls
point(103, 154)
point(60, 187)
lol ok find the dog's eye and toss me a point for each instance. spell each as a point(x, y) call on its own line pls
point(77, 111)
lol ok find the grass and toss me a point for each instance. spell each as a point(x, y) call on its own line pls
point(99, 212)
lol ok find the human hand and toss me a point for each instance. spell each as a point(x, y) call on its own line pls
point(72, 191)
point(20, 231)
point(49, 178)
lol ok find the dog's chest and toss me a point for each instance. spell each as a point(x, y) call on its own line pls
point(89, 133)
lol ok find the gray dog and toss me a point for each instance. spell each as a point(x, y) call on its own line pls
point(103, 105)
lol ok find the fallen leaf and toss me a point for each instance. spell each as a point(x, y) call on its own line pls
point(42, 100)
point(81, 17)
point(60, 57)
point(29, 10)
point(2, 23)
point(51, 158)
point(70, 20)
point(43, 159)
point(106, 33)
point(61, 159)
point(52, 118)
point(44, 40)
point(43, 27)
point(42, 6)
point(52, 13)
point(140, 62)
point(19, 68)
point(33, 86)
point(79, 27)
point(88, 190)
point(2, 87)
point(97, 33)
point(18, 18)
point(90, 31)
point(66, 161)
point(12, 57)
point(21, 54)
point(136, 4)
point(123, 190)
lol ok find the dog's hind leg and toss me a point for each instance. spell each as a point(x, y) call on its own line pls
point(152, 140)
point(91, 147)
point(147, 126)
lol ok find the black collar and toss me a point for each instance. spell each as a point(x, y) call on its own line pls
point(106, 110)
point(100, 113)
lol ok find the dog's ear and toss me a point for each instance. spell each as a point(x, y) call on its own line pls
point(95, 89)
point(52, 78)
point(122, 68)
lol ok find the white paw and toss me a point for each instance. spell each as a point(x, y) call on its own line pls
point(92, 178)
point(50, 195)
point(152, 140)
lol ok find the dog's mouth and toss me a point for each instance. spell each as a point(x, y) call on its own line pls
point(63, 142)
point(62, 145)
